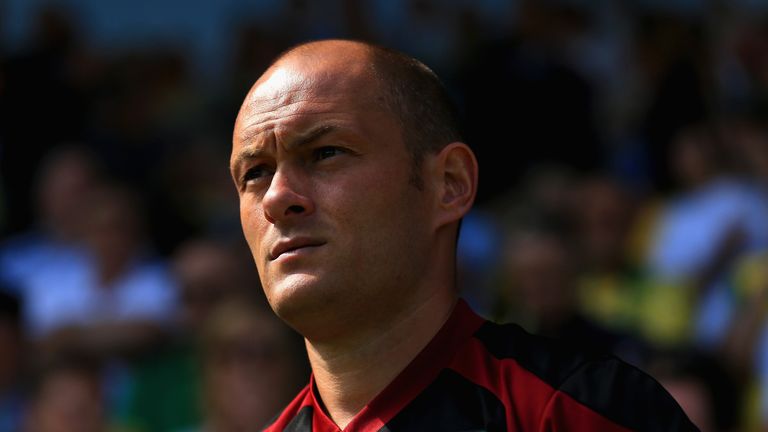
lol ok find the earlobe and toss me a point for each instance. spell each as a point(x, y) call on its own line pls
point(457, 181)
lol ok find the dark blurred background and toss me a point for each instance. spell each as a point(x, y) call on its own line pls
point(623, 200)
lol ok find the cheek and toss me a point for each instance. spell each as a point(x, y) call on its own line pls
point(253, 224)
point(380, 217)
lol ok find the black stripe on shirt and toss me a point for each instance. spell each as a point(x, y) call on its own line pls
point(451, 403)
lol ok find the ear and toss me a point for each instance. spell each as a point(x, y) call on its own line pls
point(456, 182)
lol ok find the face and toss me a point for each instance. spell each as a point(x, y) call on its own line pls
point(61, 194)
point(251, 372)
point(692, 159)
point(338, 233)
point(70, 401)
point(540, 269)
point(112, 230)
point(604, 218)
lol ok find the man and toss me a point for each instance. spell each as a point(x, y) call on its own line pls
point(353, 181)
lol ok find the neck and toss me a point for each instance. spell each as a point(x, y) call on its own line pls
point(349, 375)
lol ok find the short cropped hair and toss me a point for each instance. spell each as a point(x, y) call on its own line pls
point(417, 97)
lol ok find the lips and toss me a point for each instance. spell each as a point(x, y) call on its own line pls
point(290, 245)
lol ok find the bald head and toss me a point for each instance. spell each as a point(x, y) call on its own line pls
point(328, 52)
point(385, 79)
point(324, 58)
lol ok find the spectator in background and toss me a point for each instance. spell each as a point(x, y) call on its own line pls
point(701, 231)
point(167, 390)
point(746, 343)
point(540, 292)
point(68, 397)
point(744, 348)
point(12, 359)
point(615, 287)
point(121, 301)
point(714, 208)
point(712, 215)
point(209, 272)
point(253, 365)
point(610, 280)
point(64, 182)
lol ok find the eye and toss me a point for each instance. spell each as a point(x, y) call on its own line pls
point(327, 152)
point(255, 173)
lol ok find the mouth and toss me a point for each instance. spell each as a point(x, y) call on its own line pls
point(292, 245)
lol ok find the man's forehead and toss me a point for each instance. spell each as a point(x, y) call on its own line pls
point(297, 75)
point(297, 88)
point(274, 95)
point(285, 113)
point(292, 130)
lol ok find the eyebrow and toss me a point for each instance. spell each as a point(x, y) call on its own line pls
point(302, 140)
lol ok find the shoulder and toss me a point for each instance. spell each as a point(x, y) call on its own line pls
point(564, 386)
point(546, 360)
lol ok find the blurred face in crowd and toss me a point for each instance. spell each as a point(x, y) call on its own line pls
point(69, 400)
point(251, 370)
point(327, 208)
point(207, 273)
point(112, 230)
point(63, 186)
point(693, 158)
point(604, 219)
point(540, 269)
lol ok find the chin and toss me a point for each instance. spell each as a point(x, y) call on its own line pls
point(301, 301)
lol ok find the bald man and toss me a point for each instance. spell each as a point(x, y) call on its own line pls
point(353, 180)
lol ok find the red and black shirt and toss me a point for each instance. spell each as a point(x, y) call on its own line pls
point(479, 376)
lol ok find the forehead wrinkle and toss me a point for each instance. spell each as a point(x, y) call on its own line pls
point(275, 122)
point(287, 138)
point(249, 150)
point(260, 104)
point(249, 133)
point(264, 109)
point(298, 139)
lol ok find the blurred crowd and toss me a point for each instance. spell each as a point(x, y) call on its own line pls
point(623, 205)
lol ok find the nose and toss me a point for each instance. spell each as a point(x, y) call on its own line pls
point(285, 199)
